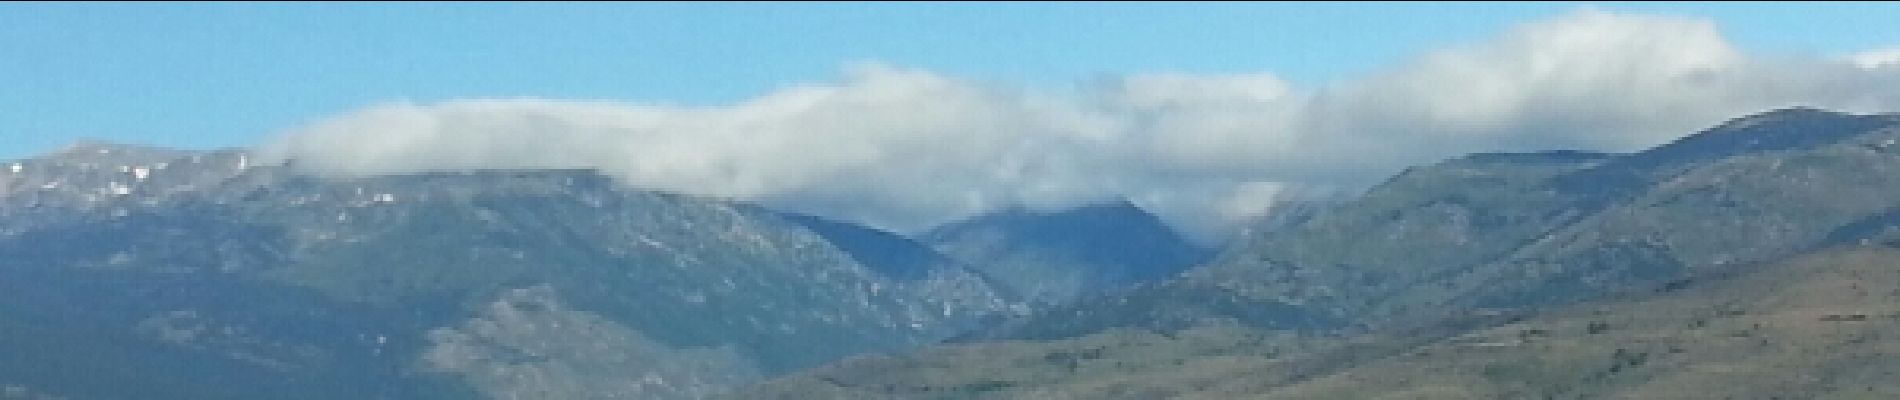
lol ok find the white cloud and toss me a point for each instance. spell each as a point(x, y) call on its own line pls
point(904, 148)
point(1883, 58)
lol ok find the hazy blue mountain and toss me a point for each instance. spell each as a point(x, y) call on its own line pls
point(1059, 256)
point(150, 273)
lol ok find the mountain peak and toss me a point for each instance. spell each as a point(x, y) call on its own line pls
point(102, 151)
point(1106, 216)
point(1773, 121)
point(1537, 157)
point(1780, 114)
point(1121, 210)
point(1107, 209)
point(102, 146)
point(1058, 256)
point(1775, 130)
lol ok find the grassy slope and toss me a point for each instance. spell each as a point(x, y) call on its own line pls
point(1818, 326)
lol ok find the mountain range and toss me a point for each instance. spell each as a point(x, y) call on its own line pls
point(1753, 259)
point(504, 283)
point(1447, 255)
point(203, 267)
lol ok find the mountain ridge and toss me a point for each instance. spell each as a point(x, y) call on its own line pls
point(401, 281)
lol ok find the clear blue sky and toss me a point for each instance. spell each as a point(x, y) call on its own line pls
point(202, 75)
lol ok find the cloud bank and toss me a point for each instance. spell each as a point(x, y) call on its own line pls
point(905, 149)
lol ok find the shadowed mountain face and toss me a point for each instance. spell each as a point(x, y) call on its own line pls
point(161, 268)
point(893, 254)
point(1056, 257)
point(1406, 264)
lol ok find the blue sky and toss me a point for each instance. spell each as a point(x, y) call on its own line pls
point(231, 74)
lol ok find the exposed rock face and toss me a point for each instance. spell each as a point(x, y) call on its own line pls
point(528, 344)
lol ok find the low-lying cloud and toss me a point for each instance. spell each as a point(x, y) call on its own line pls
point(905, 149)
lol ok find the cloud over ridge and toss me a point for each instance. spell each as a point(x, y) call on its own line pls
point(903, 148)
